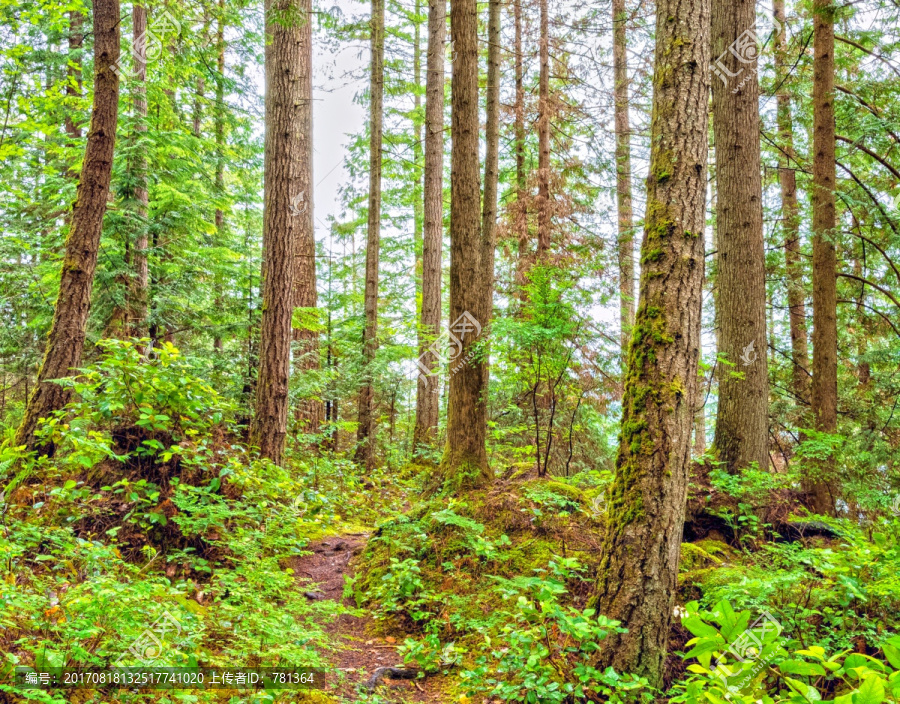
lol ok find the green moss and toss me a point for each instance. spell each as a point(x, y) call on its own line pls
point(652, 256)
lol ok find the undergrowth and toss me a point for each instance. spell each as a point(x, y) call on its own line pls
point(153, 536)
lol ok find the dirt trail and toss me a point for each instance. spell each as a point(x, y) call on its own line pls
point(359, 653)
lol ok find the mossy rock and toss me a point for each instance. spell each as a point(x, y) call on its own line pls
point(703, 554)
point(572, 493)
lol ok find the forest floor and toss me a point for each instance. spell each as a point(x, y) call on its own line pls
point(360, 647)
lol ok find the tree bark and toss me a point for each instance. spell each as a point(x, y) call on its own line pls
point(282, 152)
point(365, 433)
point(219, 128)
point(139, 283)
point(790, 222)
point(465, 464)
point(623, 175)
point(639, 568)
point(741, 436)
point(521, 209)
point(543, 196)
point(427, 400)
point(309, 410)
point(67, 332)
point(491, 177)
point(821, 488)
point(74, 74)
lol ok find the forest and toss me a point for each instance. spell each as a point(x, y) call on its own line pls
point(442, 351)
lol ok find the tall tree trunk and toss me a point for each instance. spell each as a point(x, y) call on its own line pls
point(418, 168)
point(427, 400)
point(67, 332)
point(543, 197)
point(822, 487)
point(365, 433)
point(741, 436)
point(309, 411)
point(139, 283)
point(73, 73)
point(623, 175)
point(465, 462)
point(282, 152)
point(521, 210)
point(219, 127)
point(639, 568)
point(790, 214)
point(491, 178)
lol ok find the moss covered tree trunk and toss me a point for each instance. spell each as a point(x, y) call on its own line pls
point(623, 175)
point(365, 432)
point(306, 335)
point(465, 463)
point(741, 436)
point(639, 568)
point(427, 398)
point(67, 332)
point(282, 151)
point(821, 487)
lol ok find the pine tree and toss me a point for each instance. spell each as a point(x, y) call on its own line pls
point(67, 333)
point(639, 569)
point(741, 436)
point(284, 88)
point(365, 433)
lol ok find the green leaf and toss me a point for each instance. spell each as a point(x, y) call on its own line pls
point(809, 693)
point(892, 653)
point(799, 667)
point(871, 691)
point(698, 627)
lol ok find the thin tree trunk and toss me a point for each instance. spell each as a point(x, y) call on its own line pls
point(790, 213)
point(741, 436)
point(219, 127)
point(623, 175)
point(465, 462)
point(521, 209)
point(309, 410)
point(427, 400)
point(365, 433)
point(282, 151)
point(418, 169)
point(639, 569)
point(822, 487)
point(67, 332)
point(491, 177)
point(74, 74)
point(543, 197)
point(139, 283)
